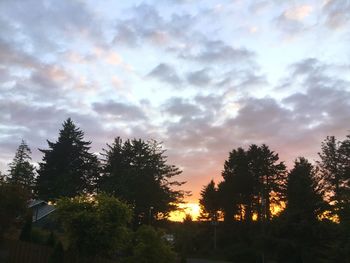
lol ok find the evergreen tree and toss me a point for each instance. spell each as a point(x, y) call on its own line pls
point(227, 200)
point(21, 171)
point(344, 150)
point(2, 178)
point(330, 167)
point(270, 178)
point(209, 202)
point(238, 184)
point(344, 199)
point(304, 200)
point(335, 167)
point(253, 181)
point(68, 168)
point(137, 172)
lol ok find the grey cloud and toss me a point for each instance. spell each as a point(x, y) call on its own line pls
point(32, 122)
point(242, 81)
point(314, 73)
point(180, 107)
point(20, 112)
point(126, 34)
point(251, 80)
point(42, 27)
point(259, 119)
point(288, 26)
point(220, 52)
point(307, 66)
point(326, 105)
point(10, 56)
point(146, 24)
point(36, 123)
point(199, 77)
point(40, 80)
point(166, 73)
point(295, 126)
point(258, 7)
point(46, 83)
point(337, 13)
point(211, 102)
point(119, 110)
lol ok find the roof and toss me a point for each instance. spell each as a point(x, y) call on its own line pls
point(40, 209)
point(35, 203)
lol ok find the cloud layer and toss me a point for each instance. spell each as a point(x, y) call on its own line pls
point(201, 77)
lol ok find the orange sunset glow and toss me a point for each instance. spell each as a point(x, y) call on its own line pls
point(234, 112)
point(192, 209)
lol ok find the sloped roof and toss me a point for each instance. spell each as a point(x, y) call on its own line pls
point(40, 209)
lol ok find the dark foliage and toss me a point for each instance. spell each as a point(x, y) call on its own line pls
point(253, 181)
point(68, 168)
point(209, 202)
point(137, 171)
point(21, 171)
point(304, 201)
point(13, 206)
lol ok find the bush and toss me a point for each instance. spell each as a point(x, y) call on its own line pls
point(151, 247)
point(94, 225)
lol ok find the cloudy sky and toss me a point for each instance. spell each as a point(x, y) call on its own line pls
point(203, 77)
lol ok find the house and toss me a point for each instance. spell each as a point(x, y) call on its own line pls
point(40, 209)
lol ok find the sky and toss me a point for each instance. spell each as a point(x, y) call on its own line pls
point(203, 77)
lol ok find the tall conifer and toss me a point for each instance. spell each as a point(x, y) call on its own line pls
point(67, 168)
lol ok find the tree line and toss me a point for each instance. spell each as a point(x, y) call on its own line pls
point(313, 224)
point(255, 181)
point(135, 171)
point(106, 204)
point(132, 183)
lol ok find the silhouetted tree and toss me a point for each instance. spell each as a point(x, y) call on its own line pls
point(270, 178)
point(21, 171)
point(2, 178)
point(344, 151)
point(253, 180)
point(137, 172)
point(334, 167)
point(209, 202)
point(68, 168)
point(304, 200)
point(13, 205)
point(227, 200)
point(239, 182)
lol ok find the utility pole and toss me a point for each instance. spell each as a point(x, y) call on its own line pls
point(150, 215)
point(263, 219)
point(215, 223)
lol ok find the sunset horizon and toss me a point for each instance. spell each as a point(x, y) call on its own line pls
point(168, 131)
point(201, 77)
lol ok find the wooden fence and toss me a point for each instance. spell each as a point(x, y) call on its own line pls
point(13, 251)
point(22, 252)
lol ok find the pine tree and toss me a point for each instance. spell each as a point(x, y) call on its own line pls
point(335, 167)
point(304, 200)
point(239, 184)
point(254, 180)
point(330, 167)
point(21, 171)
point(269, 176)
point(344, 198)
point(209, 202)
point(137, 171)
point(67, 168)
